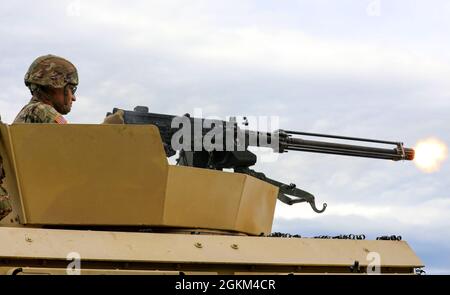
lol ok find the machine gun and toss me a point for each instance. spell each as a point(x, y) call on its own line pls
point(217, 144)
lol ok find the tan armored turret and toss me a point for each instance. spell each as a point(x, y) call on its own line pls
point(108, 194)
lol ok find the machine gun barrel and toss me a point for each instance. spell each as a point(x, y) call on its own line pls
point(287, 142)
point(239, 158)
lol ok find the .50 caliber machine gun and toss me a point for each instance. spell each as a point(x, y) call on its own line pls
point(217, 144)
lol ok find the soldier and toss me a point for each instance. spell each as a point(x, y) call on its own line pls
point(52, 81)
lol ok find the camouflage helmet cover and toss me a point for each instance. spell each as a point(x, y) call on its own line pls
point(51, 70)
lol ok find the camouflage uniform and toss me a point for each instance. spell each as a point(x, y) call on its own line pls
point(48, 71)
point(5, 205)
point(45, 71)
point(38, 112)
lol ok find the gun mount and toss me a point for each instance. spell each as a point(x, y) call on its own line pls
point(228, 147)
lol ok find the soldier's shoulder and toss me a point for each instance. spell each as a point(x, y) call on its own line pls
point(37, 112)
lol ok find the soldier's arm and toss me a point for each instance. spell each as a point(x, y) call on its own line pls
point(40, 113)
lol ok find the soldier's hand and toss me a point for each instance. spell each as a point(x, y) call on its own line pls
point(116, 118)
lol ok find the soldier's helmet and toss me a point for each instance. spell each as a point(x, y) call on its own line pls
point(51, 70)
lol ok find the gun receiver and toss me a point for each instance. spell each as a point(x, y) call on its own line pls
point(222, 152)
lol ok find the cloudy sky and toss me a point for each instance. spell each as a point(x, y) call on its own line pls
point(364, 68)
